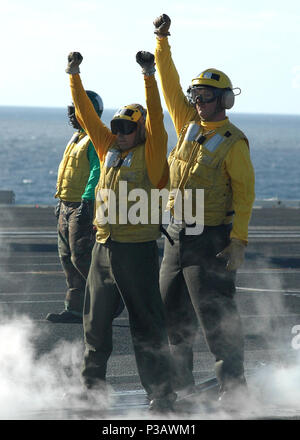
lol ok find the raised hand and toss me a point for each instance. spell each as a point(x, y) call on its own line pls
point(146, 61)
point(162, 25)
point(74, 60)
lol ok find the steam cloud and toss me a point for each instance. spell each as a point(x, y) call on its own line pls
point(29, 384)
point(35, 388)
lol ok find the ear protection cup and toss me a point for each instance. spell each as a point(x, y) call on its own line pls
point(227, 99)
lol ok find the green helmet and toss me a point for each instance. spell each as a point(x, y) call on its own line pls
point(96, 101)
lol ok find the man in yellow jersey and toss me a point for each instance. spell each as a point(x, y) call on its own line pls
point(78, 174)
point(125, 256)
point(198, 272)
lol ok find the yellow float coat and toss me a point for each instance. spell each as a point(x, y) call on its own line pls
point(153, 155)
point(236, 167)
point(74, 169)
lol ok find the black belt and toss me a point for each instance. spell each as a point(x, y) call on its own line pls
point(182, 223)
point(71, 204)
point(185, 225)
point(193, 225)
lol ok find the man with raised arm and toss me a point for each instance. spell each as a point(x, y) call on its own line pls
point(198, 271)
point(125, 261)
point(78, 175)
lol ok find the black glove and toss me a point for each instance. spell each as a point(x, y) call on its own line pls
point(162, 25)
point(74, 59)
point(57, 209)
point(85, 212)
point(146, 61)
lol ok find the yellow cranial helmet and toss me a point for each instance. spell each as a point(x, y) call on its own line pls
point(212, 78)
point(126, 118)
point(220, 85)
point(131, 112)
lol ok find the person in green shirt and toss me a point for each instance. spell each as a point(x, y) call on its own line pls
point(78, 174)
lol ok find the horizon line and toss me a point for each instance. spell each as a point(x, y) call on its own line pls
point(165, 110)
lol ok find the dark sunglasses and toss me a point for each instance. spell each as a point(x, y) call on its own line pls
point(122, 126)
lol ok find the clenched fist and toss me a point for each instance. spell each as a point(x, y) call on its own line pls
point(146, 61)
point(74, 60)
point(162, 25)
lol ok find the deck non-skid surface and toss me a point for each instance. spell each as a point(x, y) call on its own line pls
point(32, 284)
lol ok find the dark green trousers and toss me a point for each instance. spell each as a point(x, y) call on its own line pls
point(75, 243)
point(197, 289)
point(129, 270)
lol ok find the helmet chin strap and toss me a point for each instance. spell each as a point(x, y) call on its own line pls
point(219, 108)
point(140, 135)
point(74, 123)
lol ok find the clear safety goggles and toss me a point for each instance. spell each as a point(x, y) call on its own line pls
point(203, 95)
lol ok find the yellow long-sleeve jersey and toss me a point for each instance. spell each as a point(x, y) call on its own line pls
point(102, 137)
point(237, 163)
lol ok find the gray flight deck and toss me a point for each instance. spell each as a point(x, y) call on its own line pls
point(268, 295)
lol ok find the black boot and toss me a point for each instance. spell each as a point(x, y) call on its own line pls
point(234, 397)
point(65, 317)
point(163, 405)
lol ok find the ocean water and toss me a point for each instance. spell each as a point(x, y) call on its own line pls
point(32, 142)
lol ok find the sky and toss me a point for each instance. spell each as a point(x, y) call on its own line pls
point(256, 43)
